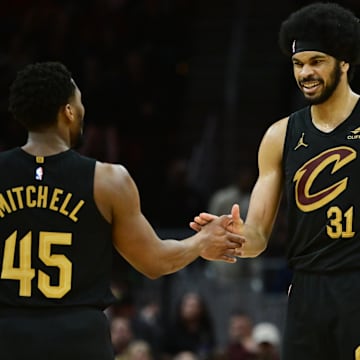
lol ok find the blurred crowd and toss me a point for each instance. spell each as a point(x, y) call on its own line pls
point(189, 334)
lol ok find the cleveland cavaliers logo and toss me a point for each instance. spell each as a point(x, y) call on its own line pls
point(304, 178)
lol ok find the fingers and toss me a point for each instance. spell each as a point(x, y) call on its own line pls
point(238, 252)
point(234, 247)
point(224, 251)
point(236, 239)
point(207, 217)
point(228, 259)
point(235, 214)
point(196, 227)
point(225, 220)
point(225, 245)
point(235, 211)
point(200, 221)
point(230, 254)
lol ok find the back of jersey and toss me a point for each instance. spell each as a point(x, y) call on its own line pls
point(55, 246)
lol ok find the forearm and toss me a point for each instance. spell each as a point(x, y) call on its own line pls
point(255, 243)
point(155, 257)
point(213, 242)
point(173, 255)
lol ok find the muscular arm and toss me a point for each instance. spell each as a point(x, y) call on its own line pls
point(267, 192)
point(134, 238)
point(265, 196)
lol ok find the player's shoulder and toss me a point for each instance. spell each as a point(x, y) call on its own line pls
point(111, 174)
point(278, 128)
point(281, 122)
point(113, 186)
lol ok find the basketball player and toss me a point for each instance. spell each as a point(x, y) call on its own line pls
point(60, 215)
point(313, 156)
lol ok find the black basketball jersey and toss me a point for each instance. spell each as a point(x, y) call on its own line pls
point(322, 176)
point(55, 246)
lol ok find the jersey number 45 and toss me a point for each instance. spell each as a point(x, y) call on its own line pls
point(24, 273)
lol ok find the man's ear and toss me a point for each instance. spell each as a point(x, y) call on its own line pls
point(345, 65)
point(69, 112)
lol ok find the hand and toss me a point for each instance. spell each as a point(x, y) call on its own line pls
point(253, 240)
point(217, 242)
point(201, 220)
point(234, 226)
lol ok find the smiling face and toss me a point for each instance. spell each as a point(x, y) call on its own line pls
point(317, 75)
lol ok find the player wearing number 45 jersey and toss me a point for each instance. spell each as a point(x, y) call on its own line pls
point(313, 156)
point(61, 214)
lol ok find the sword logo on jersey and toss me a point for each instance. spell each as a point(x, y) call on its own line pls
point(301, 142)
point(355, 131)
point(304, 178)
point(355, 134)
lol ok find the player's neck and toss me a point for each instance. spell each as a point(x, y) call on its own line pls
point(41, 144)
point(328, 115)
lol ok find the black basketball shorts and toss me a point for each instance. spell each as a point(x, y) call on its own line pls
point(54, 334)
point(323, 317)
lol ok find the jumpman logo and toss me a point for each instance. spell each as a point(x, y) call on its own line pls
point(301, 142)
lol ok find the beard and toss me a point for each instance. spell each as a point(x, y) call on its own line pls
point(334, 80)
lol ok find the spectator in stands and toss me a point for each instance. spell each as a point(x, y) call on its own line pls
point(241, 344)
point(191, 330)
point(139, 350)
point(121, 336)
point(267, 339)
point(147, 324)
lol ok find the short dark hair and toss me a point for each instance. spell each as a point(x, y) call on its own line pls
point(337, 29)
point(38, 92)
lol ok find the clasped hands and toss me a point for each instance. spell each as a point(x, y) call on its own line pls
point(234, 224)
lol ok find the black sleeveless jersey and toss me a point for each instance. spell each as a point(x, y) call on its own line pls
point(55, 246)
point(322, 176)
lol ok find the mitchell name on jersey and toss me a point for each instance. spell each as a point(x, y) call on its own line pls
point(41, 196)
